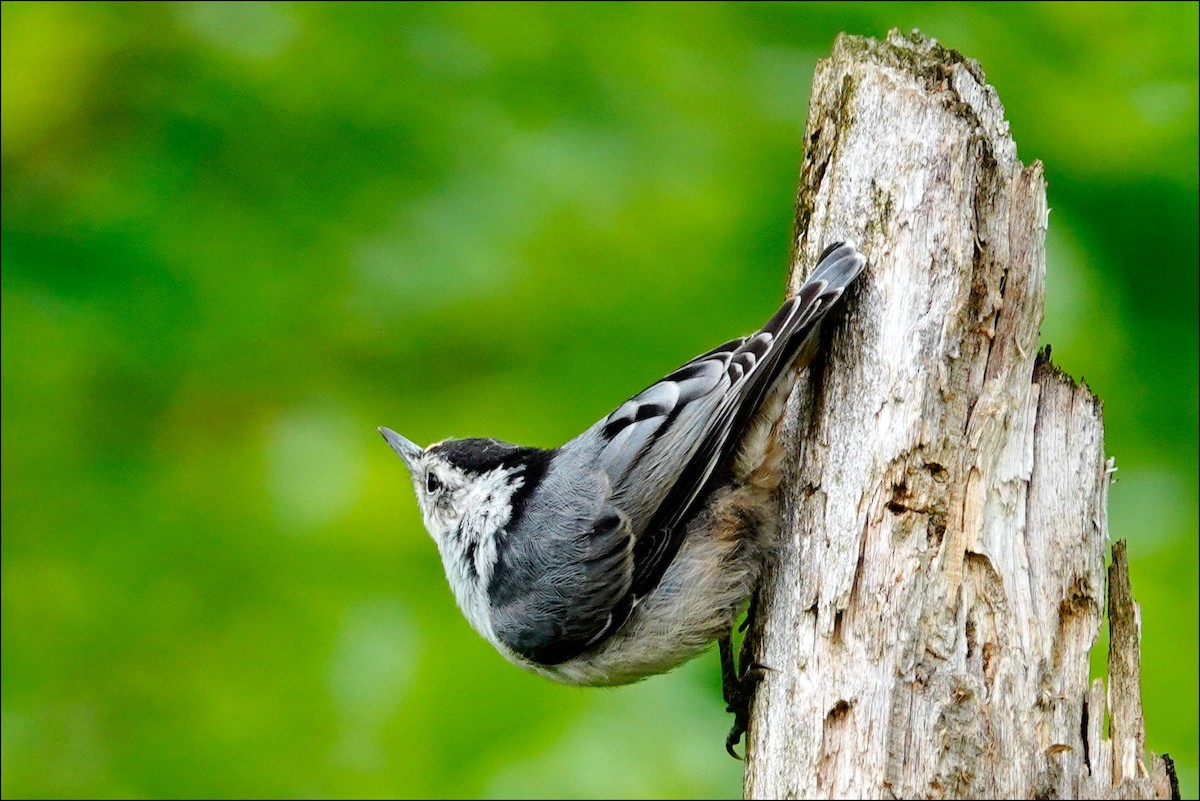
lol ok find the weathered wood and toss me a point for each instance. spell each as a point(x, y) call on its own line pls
point(941, 579)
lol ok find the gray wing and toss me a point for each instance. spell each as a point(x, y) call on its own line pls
point(550, 603)
point(575, 574)
point(676, 435)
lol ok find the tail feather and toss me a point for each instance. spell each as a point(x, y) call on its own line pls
point(838, 266)
point(795, 323)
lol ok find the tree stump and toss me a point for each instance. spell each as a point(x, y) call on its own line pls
point(941, 578)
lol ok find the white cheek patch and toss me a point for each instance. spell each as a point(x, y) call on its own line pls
point(443, 509)
point(465, 519)
point(487, 507)
point(469, 510)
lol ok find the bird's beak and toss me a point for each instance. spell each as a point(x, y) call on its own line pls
point(407, 450)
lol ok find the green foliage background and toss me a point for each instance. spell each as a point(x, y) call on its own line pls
point(237, 237)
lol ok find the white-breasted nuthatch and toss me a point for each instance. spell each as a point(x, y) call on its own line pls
point(629, 549)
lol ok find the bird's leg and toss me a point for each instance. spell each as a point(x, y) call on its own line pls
point(738, 686)
point(735, 700)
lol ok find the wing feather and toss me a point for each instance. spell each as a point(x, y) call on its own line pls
point(689, 447)
point(659, 452)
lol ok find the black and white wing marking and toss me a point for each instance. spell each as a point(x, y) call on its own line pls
point(679, 432)
point(563, 586)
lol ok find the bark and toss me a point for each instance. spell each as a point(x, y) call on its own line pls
point(941, 580)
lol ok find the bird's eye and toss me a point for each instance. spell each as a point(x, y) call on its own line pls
point(432, 484)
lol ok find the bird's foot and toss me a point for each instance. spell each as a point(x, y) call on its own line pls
point(738, 689)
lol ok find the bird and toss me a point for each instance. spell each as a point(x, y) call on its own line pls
point(631, 548)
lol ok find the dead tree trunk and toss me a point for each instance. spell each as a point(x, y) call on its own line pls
point(942, 576)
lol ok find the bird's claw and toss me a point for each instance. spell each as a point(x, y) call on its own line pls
point(738, 689)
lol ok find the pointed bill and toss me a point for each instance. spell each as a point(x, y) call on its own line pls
point(406, 449)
